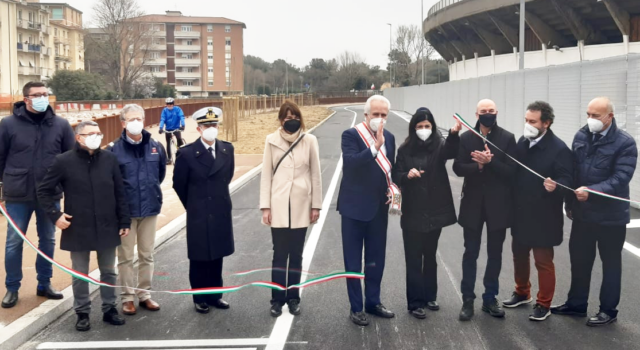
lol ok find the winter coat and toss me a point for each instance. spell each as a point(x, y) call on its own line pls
point(94, 196)
point(172, 119)
point(427, 203)
point(539, 220)
point(27, 149)
point(604, 166)
point(202, 184)
point(297, 184)
point(143, 168)
point(487, 195)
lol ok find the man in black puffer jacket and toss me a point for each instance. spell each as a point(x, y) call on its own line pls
point(30, 139)
point(604, 161)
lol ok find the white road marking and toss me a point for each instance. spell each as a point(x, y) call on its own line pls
point(281, 330)
point(158, 344)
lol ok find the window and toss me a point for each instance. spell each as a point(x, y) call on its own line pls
point(187, 56)
point(19, 37)
point(190, 70)
point(227, 55)
point(210, 82)
point(19, 14)
point(210, 70)
point(155, 55)
point(188, 83)
point(187, 28)
point(210, 56)
point(228, 82)
point(30, 16)
point(189, 42)
point(210, 42)
point(209, 28)
point(227, 29)
point(228, 42)
point(154, 69)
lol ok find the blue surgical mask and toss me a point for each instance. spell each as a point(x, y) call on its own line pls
point(40, 104)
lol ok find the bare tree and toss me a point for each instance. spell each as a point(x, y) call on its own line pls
point(127, 43)
point(410, 42)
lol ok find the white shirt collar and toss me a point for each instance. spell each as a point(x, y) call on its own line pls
point(132, 141)
point(534, 142)
point(206, 145)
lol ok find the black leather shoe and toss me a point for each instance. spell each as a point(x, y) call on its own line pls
point(113, 318)
point(418, 313)
point(276, 309)
point(466, 313)
point(433, 305)
point(493, 308)
point(10, 300)
point(359, 318)
point(220, 304)
point(601, 319)
point(50, 293)
point(566, 310)
point(83, 324)
point(294, 307)
point(202, 308)
point(380, 311)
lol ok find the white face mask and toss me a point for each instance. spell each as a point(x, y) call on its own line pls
point(375, 123)
point(135, 127)
point(531, 132)
point(210, 134)
point(93, 142)
point(595, 125)
point(423, 134)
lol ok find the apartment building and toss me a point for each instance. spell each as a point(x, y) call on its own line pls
point(37, 39)
point(200, 56)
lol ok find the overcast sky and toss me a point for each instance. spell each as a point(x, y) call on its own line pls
point(298, 30)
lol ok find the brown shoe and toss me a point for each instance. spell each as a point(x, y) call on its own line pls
point(150, 305)
point(128, 308)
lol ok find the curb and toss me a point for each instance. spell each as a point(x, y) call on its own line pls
point(21, 330)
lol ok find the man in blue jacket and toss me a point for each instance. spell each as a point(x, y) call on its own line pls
point(172, 119)
point(604, 161)
point(364, 206)
point(29, 141)
point(143, 166)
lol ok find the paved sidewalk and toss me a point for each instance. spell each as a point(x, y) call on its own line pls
point(172, 208)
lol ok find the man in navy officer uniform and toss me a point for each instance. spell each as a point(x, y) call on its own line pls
point(201, 179)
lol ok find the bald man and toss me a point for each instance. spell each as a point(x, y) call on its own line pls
point(604, 161)
point(486, 198)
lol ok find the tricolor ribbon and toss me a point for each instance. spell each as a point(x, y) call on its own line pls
point(457, 117)
point(213, 290)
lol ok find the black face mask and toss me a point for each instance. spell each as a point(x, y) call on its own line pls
point(291, 125)
point(488, 120)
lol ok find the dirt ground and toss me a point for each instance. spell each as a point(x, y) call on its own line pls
point(253, 130)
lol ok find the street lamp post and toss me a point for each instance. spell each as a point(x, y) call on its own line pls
point(522, 20)
point(422, 35)
point(390, 61)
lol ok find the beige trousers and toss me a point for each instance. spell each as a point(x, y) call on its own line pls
point(143, 232)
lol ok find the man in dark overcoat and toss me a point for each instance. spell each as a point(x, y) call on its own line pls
point(538, 223)
point(201, 179)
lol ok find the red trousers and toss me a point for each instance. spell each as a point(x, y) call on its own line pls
point(546, 272)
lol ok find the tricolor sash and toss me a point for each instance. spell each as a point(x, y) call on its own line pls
point(393, 192)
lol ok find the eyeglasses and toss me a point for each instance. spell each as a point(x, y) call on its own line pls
point(135, 120)
point(95, 135)
point(39, 95)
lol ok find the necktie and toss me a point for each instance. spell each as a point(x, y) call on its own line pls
point(212, 153)
point(597, 137)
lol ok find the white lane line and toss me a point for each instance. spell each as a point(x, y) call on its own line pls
point(152, 344)
point(280, 332)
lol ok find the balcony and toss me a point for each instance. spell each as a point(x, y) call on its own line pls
point(35, 26)
point(158, 33)
point(156, 62)
point(188, 48)
point(30, 48)
point(188, 62)
point(158, 47)
point(45, 51)
point(58, 40)
point(30, 71)
point(186, 88)
point(62, 57)
point(188, 75)
point(159, 74)
point(181, 34)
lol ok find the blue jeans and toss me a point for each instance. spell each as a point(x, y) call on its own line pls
point(21, 213)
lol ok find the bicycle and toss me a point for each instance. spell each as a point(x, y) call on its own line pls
point(174, 145)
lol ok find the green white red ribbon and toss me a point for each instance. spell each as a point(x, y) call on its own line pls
point(457, 117)
point(212, 290)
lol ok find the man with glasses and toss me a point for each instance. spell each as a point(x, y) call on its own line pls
point(605, 159)
point(96, 215)
point(172, 119)
point(143, 165)
point(486, 198)
point(30, 138)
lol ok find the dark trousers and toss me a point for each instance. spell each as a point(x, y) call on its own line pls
point(372, 235)
point(205, 274)
point(422, 268)
point(543, 257)
point(287, 246)
point(472, 243)
point(582, 249)
point(179, 142)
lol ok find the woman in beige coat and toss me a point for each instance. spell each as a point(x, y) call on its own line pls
point(290, 200)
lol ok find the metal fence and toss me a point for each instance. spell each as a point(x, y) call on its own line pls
point(568, 88)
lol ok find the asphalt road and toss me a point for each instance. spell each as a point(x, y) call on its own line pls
point(324, 322)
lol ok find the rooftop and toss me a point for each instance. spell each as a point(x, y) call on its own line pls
point(174, 17)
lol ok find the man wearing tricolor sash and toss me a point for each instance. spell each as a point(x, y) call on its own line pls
point(367, 196)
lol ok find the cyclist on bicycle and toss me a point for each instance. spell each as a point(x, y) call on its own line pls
point(172, 119)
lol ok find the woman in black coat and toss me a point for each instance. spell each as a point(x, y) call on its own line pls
point(427, 204)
